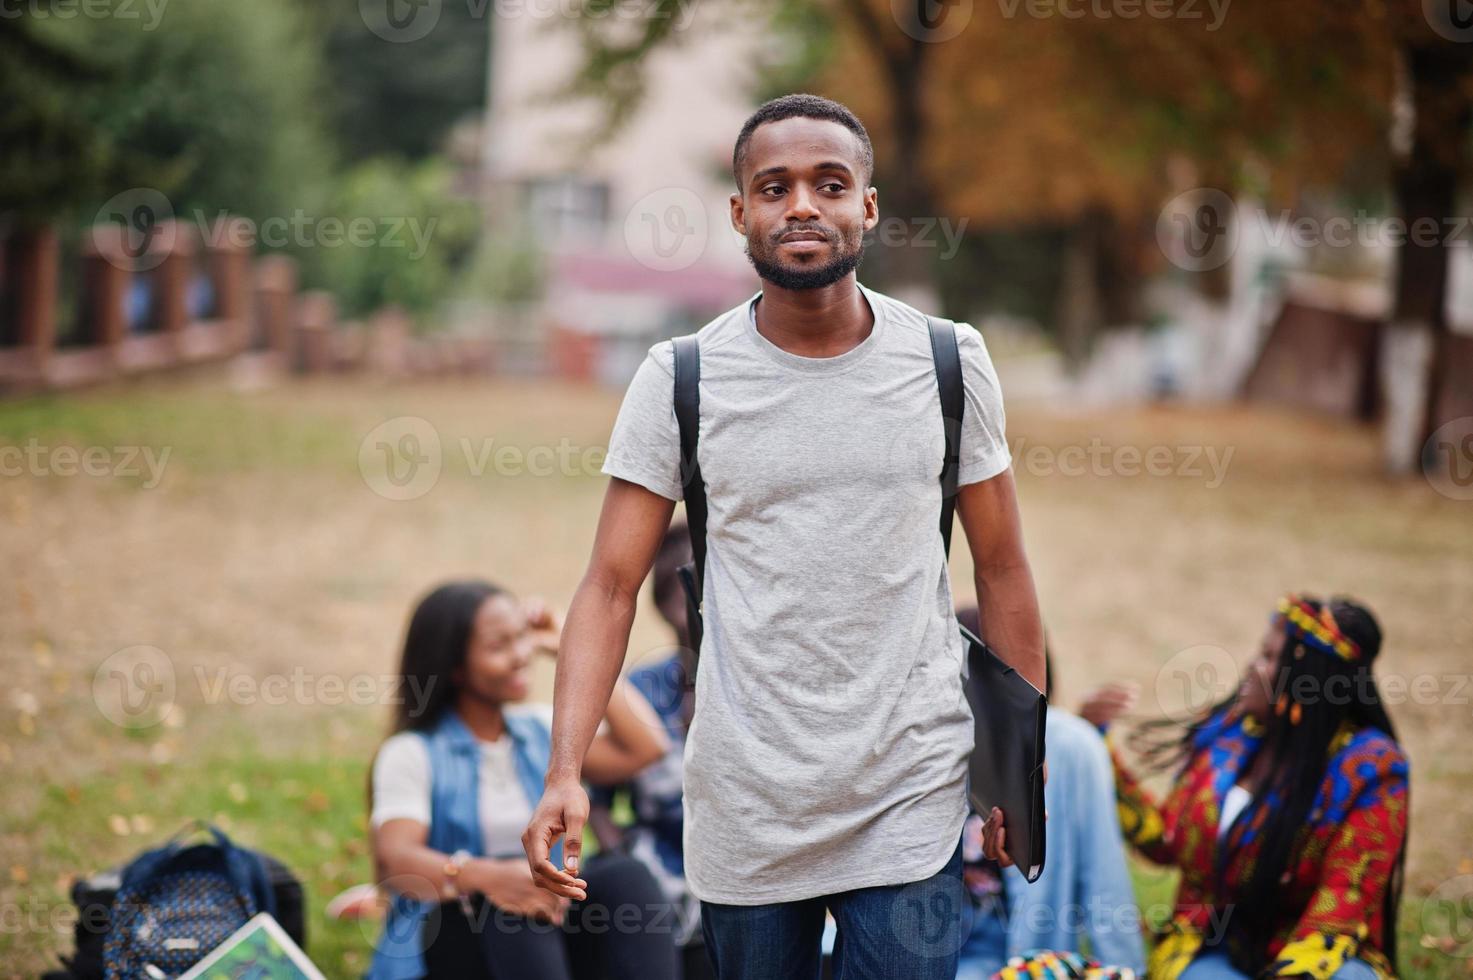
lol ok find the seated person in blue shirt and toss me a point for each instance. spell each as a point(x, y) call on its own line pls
point(454, 788)
point(1084, 894)
point(655, 835)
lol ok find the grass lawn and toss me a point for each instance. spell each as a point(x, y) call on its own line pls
point(267, 579)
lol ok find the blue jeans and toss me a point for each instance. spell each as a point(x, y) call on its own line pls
point(1214, 965)
point(899, 932)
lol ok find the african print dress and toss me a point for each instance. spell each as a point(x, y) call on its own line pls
point(1334, 894)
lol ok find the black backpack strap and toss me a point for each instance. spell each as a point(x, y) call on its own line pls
point(688, 414)
point(949, 385)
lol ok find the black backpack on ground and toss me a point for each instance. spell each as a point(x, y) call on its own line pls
point(170, 906)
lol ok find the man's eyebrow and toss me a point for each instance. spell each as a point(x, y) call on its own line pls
point(835, 165)
point(825, 165)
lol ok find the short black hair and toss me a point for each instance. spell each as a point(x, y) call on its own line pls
point(801, 105)
point(674, 551)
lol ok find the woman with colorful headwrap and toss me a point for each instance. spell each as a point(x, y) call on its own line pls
point(1288, 813)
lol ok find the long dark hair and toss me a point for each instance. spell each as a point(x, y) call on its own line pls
point(1321, 691)
point(435, 647)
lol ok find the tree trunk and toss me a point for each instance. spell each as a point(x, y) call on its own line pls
point(1426, 183)
point(1082, 301)
point(909, 257)
point(907, 261)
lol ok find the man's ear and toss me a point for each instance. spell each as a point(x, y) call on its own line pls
point(871, 208)
point(738, 215)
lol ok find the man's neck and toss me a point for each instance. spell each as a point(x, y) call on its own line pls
point(822, 322)
point(483, 718)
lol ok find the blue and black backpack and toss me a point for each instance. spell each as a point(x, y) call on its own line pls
point(175, 904)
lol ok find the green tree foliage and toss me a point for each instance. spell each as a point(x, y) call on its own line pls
point(400, 98)
point(51, 154)
point(209, 105)
point(423, 237)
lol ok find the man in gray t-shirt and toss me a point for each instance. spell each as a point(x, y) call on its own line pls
point(826, 763)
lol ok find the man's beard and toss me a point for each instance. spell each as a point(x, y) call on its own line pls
point(843, 262)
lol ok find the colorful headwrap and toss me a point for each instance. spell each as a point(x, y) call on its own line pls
point(1317, 629)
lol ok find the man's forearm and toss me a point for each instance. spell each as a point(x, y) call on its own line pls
point(594, 641)
point(1011, 620)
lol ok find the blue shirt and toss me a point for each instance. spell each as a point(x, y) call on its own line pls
point(656, 793)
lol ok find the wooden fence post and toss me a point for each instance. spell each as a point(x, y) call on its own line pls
point(32, 263)
point(317, 314)
point(228, 253)
point(276, 300)
point(106, 272)
point(388, 344)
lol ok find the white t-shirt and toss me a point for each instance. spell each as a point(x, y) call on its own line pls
point(1232, 805)
point(401, 786)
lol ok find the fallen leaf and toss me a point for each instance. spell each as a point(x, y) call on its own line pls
point(19, 874)
point(118, 824)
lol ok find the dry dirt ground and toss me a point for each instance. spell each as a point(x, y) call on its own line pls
point(221, 640)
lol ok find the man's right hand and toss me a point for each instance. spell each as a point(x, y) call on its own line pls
point(995, 839)
point(562, 812)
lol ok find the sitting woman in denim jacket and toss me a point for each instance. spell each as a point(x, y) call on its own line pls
point(454, 787)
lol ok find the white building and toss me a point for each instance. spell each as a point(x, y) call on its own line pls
point(636, 231)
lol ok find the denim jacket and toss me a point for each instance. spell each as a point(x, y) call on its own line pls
point(455, 823)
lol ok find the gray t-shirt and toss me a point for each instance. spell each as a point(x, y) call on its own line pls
point(831, 733)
